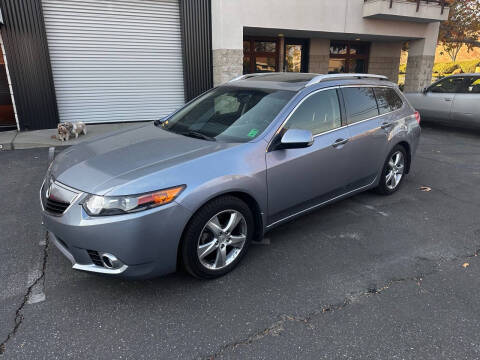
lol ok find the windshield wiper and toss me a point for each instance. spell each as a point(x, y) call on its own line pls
point(198, 135)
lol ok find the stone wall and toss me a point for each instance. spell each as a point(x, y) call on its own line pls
point(383, 65)
point(419, 72)
point(227, 64)
point(385, 59)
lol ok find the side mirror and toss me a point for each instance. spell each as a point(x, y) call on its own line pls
point(295, 139)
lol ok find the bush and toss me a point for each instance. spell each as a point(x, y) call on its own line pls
point(445, 68)
point(469, 66)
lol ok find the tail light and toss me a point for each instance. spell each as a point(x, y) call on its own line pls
point(417, 116)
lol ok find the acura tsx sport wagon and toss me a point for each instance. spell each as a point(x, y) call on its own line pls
point(194, 189)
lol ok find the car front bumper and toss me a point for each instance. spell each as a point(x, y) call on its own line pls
point(145, 243)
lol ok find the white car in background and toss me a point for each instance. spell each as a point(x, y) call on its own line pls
point(453, 100)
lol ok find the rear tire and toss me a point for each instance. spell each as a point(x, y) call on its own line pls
point(393, 171)
point(217, 237)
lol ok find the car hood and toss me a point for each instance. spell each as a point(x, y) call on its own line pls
point(101, 165)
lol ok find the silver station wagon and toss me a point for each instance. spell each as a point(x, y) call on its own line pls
point(194, 189)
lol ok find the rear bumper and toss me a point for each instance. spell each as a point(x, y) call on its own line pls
point(145, 243)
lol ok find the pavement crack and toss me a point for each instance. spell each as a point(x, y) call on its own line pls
point(276, 328)
point(19, 312)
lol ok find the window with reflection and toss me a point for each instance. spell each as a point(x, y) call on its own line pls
point(318, 113)
point(348, 57)
point(388, 100)
point(473, 85)
point(452, 85)
point(360, 102)
point(260, 55)
point(296, 55)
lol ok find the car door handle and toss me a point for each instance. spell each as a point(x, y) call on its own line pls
point(339, 142)
point(448, 99)
point(386, 125)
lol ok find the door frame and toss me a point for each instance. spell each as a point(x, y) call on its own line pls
point(252, 54)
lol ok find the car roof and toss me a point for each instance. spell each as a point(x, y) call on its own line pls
point(298, 81)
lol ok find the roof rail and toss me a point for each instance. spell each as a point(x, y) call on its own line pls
point(247, 76)
point(326, 77)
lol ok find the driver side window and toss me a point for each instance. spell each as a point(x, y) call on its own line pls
point(450, 85)
point(318, 113)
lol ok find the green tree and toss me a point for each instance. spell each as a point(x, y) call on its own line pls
point(461, 28)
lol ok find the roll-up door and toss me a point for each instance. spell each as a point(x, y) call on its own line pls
point(115, 60)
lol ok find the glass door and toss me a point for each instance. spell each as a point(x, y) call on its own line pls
point(296, 55)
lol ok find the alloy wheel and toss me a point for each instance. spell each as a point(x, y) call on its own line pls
point(222, 239)
point(396, 167)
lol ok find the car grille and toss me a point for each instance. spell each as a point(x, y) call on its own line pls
point(56, 197)
point(95, 257)
point(56, 207)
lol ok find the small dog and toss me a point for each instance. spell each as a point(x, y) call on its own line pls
point(78, 128)
point(67, 129)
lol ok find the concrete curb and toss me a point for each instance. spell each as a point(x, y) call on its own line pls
point(6, 139)
point(14, 140)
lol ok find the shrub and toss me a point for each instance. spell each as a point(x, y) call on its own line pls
point(445, 68)
point(469, 66)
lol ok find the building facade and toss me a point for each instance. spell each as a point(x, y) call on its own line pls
point(134, 60)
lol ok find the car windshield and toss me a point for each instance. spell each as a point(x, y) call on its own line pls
point(229, 114)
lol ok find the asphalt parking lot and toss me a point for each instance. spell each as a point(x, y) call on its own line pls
point(368, 277)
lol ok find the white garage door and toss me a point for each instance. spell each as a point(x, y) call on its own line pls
point(115, 60)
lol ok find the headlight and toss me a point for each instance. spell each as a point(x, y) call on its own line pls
point(96, 205)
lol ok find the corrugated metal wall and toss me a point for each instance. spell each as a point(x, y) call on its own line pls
point(23, 35)
point(115, 60)
point(197, 46)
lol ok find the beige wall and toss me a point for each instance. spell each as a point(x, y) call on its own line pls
point(229, 17)
point(322, 19)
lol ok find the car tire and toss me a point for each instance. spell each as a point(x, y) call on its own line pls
point(212, 241)
point(393, 171)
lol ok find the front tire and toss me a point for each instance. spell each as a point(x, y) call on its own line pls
point(217, 237)
point(393, 171)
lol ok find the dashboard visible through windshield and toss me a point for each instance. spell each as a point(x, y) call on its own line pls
point(229, 114)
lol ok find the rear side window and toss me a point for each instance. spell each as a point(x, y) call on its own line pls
point(318, 113)
point(360, 103)
point(388, 100)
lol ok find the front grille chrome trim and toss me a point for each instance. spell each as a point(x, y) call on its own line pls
point(63, 195)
